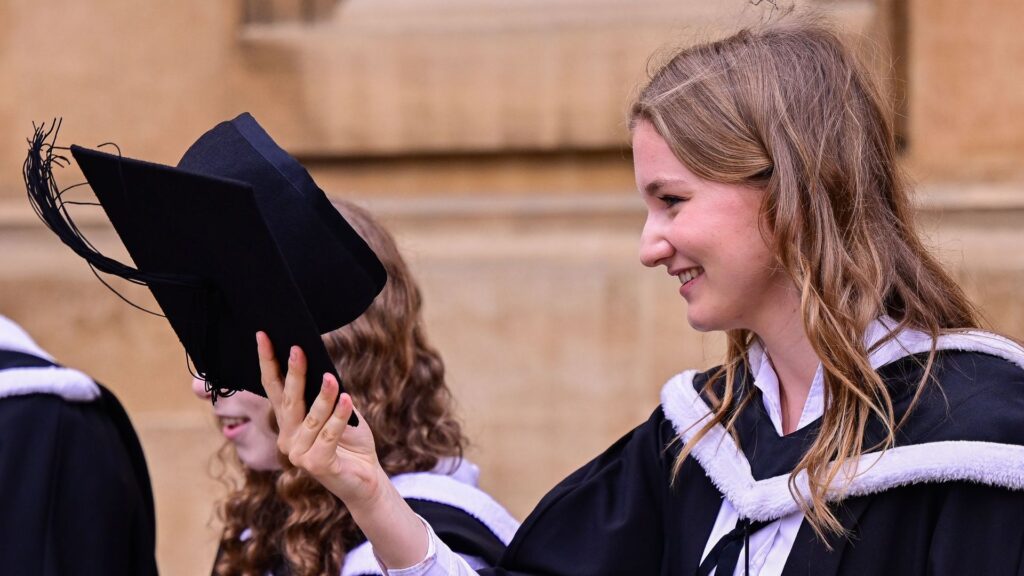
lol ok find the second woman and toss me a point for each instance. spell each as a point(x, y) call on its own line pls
point(282, 521)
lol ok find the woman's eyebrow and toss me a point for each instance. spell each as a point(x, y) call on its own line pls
point(654, 186)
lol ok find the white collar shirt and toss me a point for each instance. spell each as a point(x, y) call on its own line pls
point(771, 545)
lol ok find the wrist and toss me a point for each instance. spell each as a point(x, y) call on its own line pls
point(398, 536)
point(378, 498)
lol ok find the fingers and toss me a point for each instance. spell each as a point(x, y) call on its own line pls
point(314, 422)
point(294, 399)
point(326, 444)
point(286, 398)
point(311, 440)
point(270, 371)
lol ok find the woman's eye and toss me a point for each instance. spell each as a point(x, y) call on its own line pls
point(671, 201)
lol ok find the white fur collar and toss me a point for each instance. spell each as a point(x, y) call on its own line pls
point(65, 382)
point(770, 499)
point(452, 483)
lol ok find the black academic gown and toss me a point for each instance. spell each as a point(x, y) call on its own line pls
point(923, 513)
point(75, 495)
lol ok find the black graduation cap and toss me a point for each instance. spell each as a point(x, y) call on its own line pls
point(236, 238)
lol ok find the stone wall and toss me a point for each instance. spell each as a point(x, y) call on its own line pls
point(966, 97)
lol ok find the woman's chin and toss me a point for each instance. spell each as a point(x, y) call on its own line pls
point(700, 323)
point(259, 462)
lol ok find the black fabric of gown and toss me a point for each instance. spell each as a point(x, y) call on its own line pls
point(622, 514)
point(75, 494)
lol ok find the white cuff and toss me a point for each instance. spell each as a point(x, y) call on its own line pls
point(439, 560)
point(422, 567)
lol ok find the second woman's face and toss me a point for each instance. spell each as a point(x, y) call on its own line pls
point(244, 418)
point(706, 234)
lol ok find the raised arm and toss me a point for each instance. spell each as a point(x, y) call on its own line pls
point(341, 457)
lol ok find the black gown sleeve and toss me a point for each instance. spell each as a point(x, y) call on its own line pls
point(605, 518)
point(979, 530)
point(76, 497)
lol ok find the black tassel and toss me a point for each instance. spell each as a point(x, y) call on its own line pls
point(48, 202)
point(47, 199)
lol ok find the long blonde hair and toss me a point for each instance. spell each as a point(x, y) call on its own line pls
point(786, 109)
point(397, 380)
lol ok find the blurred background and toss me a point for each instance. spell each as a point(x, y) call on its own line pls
point(490, 136)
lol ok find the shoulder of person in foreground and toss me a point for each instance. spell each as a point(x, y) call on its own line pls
point(972, 400)
point(77, 495)
point(954, 481)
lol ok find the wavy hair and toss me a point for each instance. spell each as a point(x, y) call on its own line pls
point(785, 108)
point(397, 380)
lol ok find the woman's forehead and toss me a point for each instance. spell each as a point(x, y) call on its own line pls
point(654, 163)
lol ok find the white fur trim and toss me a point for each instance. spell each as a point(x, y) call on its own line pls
point(451, 483)
point(68, 383)
point(769, 499)
point(449, 491)
point(360, 561)
point(14, 338)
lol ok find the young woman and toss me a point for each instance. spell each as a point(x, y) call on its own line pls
point(281, 521)
point(860, 422)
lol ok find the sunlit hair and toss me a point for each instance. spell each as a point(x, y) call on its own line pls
point(397, 381)
point(785, 108)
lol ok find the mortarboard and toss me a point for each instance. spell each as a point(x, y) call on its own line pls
point(236, 238)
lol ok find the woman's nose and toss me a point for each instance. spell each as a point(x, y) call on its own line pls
point(654, 248)
point(199, 388)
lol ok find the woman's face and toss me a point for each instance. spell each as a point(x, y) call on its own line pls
point(245, 421)
point(706, 234)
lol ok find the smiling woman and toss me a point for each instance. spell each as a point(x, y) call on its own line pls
point(247, 422)
point(727, 272)
point(281, 521)
point(860, 423)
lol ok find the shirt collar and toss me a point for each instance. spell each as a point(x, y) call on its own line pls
point(767, 381)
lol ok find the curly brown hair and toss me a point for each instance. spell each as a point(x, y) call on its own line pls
point(397, 380)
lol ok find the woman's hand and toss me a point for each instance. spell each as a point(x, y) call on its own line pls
point(341, 457)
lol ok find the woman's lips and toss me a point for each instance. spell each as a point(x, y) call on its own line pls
point(689, 279)
point(233, 426)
